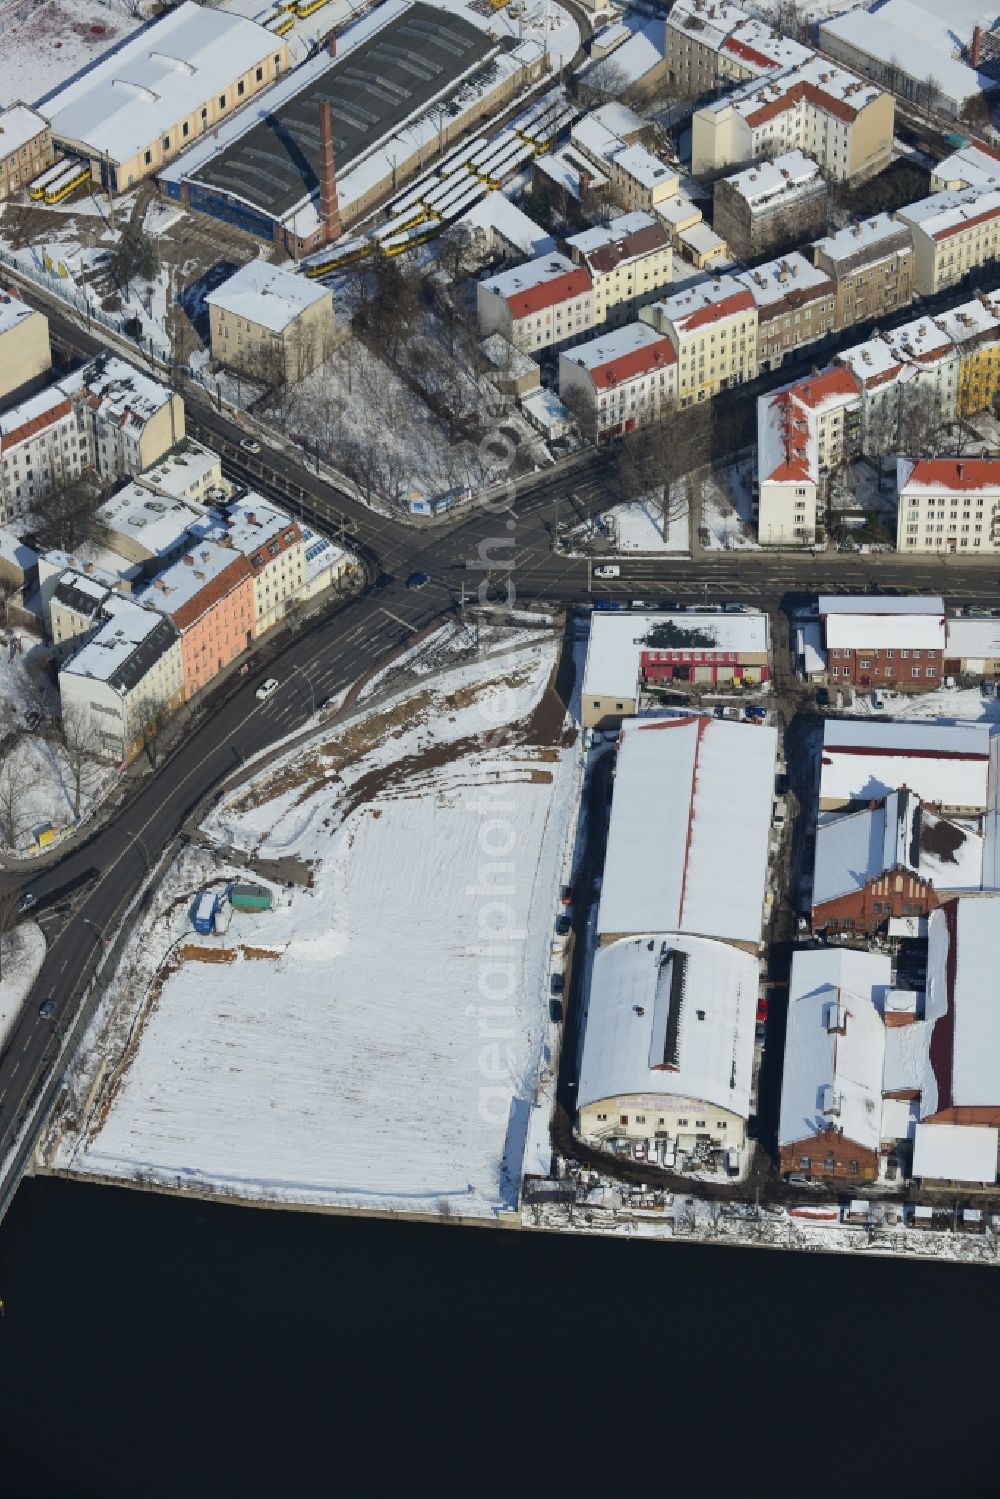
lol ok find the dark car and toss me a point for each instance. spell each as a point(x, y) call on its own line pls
point(47, 1009)
point(566, 895)
point(564, 926)
point(384, 580)
point(822, 698)
point(556, 1011)
point(557, 983)
point(719, 711)
point(608, 604)
point(418, 580)
point(27, 901)
point(759, 714)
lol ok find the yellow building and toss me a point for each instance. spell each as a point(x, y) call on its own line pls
point(139, 106)
point(953, 233)
point(713, 328)
point(24, 343)
point(25, 147)
point(271, 322)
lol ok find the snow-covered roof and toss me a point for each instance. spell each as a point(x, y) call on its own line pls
point(623, 354)
point(771, 184)
point(498, 215)
point(822, 85)
point(16, 552)
point(319, 552)
point(642, 165)
point(973, 166)
point(789, 275)
point(918, 625)
point(506, 356)
point(706, 304)
point(944, 764)
point(788, 425)
point(867, 239)
point(248, 523)
point(158, 523)
point(19, 125)
point(32, 416)
point(539, 283)
point(163, 74)
point(907, 34)
point(564, 167)
point(872, 362)
point(949, 475)
point(183, 469)
point(834, 1046)
point(964, 985)
point(690, 818)
point(633, 59)
point(972, 639)
point(898, 833)
point(617, 642)
point(670, 1016)
point(118, 391)
point(955, 1152)
point(678, 210)
point(972, 320)
point(12, 309)
point(809, 645)
point(269, 295)
point(947, 213)
point(618, 118)
point(179, 585)
point(126, 646)
point(703, 240)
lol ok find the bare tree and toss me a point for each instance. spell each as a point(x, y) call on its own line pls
point(147, 726)
point(12, 793)
point(79, 747)
point(922, 427)
point(656, 457)
point(62, 517)
point(604, 82)
point(12, 948)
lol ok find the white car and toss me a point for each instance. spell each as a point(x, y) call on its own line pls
point(249, 446)
point(266, 688)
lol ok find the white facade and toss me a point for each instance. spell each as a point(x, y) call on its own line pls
point(543, 303)
point(42, 445)
point(948, 505)
point(627, 378)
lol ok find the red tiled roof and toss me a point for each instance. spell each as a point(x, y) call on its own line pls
point(746, 53)
point(739, 302)
point(979, 218)
point(796, 442)
point(819, 388)
point(809, 91)
point(636, 362)
point(215, 589)
point(36, 424)
point(547, 293)
point(955, 473)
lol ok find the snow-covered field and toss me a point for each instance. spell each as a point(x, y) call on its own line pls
point(44, 46)
point(637, 526)
point(22, 953)
point(726, 511)
point(376, 1040)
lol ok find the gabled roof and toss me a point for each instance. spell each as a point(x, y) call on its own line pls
point(954, 474)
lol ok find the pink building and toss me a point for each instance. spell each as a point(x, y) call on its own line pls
point(209, 594)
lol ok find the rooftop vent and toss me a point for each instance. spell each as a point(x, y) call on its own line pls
point(829, 1100)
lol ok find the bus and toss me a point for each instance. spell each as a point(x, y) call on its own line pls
point(281, 22)
point(73, 177)
point(354, 251)
point(37, 188)
point(305, 8)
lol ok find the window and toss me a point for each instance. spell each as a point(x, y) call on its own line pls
point(222, 101)
point(852, 1167)
point(682, 1124)
point(804, 1163)
point(147, 157)
point(239, 87)
point(623, 1119)
point(166, 143)
point(260, 75)
point(829, 1164)
point(640, 1118)
point(699, 1124)
point(620, 706)
point(184, 128)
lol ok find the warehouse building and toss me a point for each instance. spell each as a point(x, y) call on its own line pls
point(140, 105)
point(947, 766)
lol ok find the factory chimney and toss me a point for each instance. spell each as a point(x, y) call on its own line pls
point(329, 208)
point(976, 50)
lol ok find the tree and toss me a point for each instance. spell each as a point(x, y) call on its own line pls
point(135, 254)
point(922, 428)
point(62, 517)
point(79, 747)
point(656, 457)
point(147, 725)
point(605, 82)
point(12, 793)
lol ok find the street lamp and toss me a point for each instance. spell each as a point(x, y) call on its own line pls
point(312, 691)
point(135, 838)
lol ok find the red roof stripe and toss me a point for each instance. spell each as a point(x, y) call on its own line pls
point(979, 218)
point(548, 293)
point(636, 362)
point(747, 53)
point(715, 311)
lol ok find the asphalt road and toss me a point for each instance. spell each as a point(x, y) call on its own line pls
point(83, 894)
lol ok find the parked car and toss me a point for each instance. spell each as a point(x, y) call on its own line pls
point(757, 713)
point(249, 446)
point(27, 901)
point(557, 983)
point(564, 925)
point(266, 688)
point(822, 698)
point(878, 702)
point(762, 1009)
point(556, 1011)
point(566, 895)
point(609, 604)
point(607, 570)
point(417, 580)
point(47, 1008)
point(384, 580)
point(719, 711)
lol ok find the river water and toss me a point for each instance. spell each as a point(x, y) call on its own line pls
point(152, 1346)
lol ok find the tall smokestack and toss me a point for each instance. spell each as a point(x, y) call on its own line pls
point(976, 50)
point(329, 208)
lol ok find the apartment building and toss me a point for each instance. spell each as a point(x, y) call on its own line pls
point(609, 137)
point(948, 505)
point(620, 381)
point(24, 342)
point(273, 545)
point(795, 305)
point(974, 165)
point(804, 432)
point(909, 369)
point(712, 43)
point(886, 642)
point(871, 266)
point(544, 303)
point(127, 420)
point(839, 119)
point(268, 321)
point(629, 262)
point(713, 329)
point(974, 329)
point(41, 446)
point(126, 678)
point(209, 595)
point(25, 147)
point(953, 233)
point(771, 204)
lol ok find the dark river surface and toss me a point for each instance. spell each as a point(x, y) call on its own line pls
point(152, 1346)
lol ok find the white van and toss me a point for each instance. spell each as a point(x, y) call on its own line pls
point(608, 570)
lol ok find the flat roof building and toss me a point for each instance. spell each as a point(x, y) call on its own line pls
point(945, 765)
point(271, 322)
point(771, 204)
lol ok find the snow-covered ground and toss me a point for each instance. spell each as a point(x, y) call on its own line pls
point(22, 953)
point(637, 526)
point(726, 511)
point(944, 704)
point(374, 1040)
point(44, 46)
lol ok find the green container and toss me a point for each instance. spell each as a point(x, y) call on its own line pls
point(249, 898)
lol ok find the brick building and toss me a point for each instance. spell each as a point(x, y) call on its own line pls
point(883, 642)
point(25, 148)
point(795, 305)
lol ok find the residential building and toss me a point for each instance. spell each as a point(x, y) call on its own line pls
point(830, 1120)
point(272, 543)
point(947, 766)
point(839, 119)
point(149, 529)
point(974, 165)
point(620, 381)
point(18, 563)
point(703, 248)
point(795, 305)
point(127, 421)
point(871, 266)
point(668, 1046)
point(894, 861)
point(541, 304)
point(713, 42)
point(569, 176)
point(889, 45)
point(512, 372)
point(974, 329)
point(126, 678)
point(25, 147)
point(638, 65)
point(680, 215)
point(41, 446)
point(771, 204)
point(74, 601)
point(883, 642)
point(326, 564)
point(189, 471)
point(270, 322)
point(629, 261)
point(953, 233)
point(24, 342)
point(687, 845)
point(948, 505)
point(610, 141)
point(804, 433)
point(140, 104)
point(627, 652)
point(209, 595)
point(713, 328)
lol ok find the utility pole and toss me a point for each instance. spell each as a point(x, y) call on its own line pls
point(589, 580)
